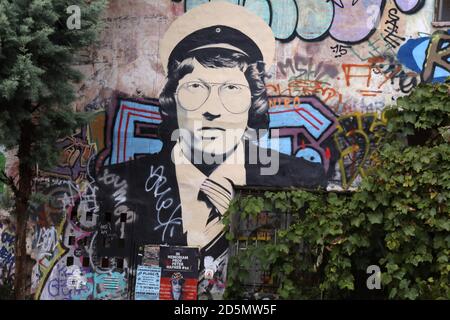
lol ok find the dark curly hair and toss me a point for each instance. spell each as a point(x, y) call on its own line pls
point(215, 58)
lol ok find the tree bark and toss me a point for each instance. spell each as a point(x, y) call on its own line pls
point(22, 198)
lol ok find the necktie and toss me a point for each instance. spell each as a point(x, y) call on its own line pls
point(217, 193)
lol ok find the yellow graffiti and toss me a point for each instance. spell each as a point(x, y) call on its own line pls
point(356, 143)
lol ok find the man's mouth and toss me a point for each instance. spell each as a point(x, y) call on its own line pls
point(211, 128)
point(210, 133)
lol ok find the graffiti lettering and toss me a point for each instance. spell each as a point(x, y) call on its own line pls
point(392, 37)
point(340, 50)
point(7, 249)
point(356, 137)
point(438, 55)
point(120, 195)
point(312, 20)
point(47, 239)
point(70, 283)
point(74, 157)
point(155, 183)
point(428, 56)
point(311, 70)
point(7, 257)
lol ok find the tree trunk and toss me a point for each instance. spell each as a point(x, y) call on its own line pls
point(22, 198)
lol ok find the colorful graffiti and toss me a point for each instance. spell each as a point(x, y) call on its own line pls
point(346, 21)
point(74, 283)
point(302, 127)
point(7, 243)
point(64, 243)
point(135, 130)
point(338, 64)
point(305, 68)
point(356, 138)
point(429, 56)
point(74, 156)
point(379, 72)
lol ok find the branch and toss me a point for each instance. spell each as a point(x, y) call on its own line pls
point(35, 108)
point(10, 182)
point(3, 177)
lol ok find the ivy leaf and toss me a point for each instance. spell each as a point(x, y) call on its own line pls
point(375, 218)
point(393, 293)
point(410, 117)
point(411, 293)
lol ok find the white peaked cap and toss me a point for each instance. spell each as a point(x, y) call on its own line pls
point(216, 14)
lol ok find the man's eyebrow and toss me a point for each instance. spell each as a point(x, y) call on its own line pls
point(230, 81)
point(234, 82)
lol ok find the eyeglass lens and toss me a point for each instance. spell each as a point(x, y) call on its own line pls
point(235, 98)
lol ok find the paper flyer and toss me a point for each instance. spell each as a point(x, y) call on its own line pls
point(147, 283)
point(179, 273)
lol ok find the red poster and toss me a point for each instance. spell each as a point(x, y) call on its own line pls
point(179, 277)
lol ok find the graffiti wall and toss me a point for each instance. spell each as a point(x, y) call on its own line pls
point(63, 243)
point(297, 87)
point(7, 259)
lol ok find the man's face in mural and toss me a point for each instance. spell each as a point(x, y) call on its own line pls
point(177, 287)
point(212, 109)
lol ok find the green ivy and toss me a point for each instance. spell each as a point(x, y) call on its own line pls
point(398, 219)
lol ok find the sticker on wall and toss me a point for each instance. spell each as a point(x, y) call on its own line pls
point(151, 255)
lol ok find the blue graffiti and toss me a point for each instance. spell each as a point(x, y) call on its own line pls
point(135, 131)
point(415, 54)
point(301, 127)
point(309, 154)
point(347, 21)
point(301, 115)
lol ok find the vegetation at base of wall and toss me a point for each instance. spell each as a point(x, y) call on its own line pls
point(398, 219)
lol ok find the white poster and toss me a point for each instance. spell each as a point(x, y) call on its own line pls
point(147, 283)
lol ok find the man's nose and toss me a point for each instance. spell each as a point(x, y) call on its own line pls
point(212, 105)
point(209, 116)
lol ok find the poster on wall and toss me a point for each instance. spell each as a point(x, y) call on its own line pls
point(150, 255)
point(147, 283)
point(179, 273)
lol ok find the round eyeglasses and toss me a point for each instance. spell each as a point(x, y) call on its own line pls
point(236, 98)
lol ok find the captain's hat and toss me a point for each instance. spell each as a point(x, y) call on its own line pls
point(218, 25)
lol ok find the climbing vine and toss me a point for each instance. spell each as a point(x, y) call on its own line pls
point(398, 219)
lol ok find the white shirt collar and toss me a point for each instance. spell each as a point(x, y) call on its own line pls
point(195, 213)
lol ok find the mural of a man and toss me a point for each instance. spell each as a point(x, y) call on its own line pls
point(213, 105)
